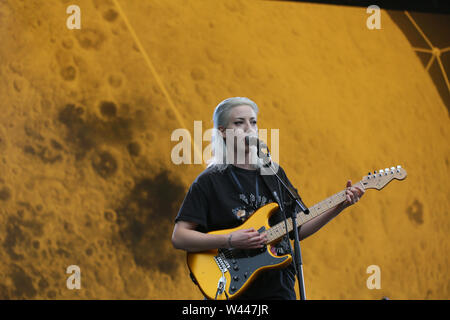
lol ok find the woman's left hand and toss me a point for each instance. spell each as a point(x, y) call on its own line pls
point(352, 193)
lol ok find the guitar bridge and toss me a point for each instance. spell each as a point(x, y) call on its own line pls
point(222, 262)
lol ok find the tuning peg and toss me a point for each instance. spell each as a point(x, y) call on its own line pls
point(381, 172)
point(392, 168)
point(398, 168)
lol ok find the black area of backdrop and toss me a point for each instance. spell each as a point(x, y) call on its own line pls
point(431, 6)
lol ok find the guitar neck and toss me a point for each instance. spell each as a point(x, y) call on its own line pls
point(276, 232)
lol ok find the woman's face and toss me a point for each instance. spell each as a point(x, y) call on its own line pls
point(242, 122)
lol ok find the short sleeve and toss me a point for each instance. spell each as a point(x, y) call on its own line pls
point(194, 207)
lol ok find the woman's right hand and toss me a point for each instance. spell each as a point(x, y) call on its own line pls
point(247, 239)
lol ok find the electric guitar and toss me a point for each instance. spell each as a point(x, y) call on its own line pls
point(226, 273)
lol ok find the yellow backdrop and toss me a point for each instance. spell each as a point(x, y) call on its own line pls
point(86, 176)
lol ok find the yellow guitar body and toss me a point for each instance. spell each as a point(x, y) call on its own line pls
point(240, 266)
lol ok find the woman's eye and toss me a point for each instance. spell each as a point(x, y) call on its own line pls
point(238, 122)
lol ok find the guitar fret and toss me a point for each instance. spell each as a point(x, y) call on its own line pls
point(307, 217)
point(279, 230)
point(328, 204)
point(319, 206)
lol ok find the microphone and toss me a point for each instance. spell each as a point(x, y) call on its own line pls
point(263, 155)
point(255, 141)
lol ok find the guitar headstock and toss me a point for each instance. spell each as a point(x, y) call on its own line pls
point(379, 179)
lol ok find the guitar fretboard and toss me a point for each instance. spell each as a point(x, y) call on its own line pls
point(277, 231)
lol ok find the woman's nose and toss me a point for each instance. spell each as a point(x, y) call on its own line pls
point(247, 126)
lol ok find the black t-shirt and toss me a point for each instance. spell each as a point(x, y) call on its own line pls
point(215, 201)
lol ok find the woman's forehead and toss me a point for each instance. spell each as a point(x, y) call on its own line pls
point(242, 111)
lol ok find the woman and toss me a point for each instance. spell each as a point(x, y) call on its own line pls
point(230, 190)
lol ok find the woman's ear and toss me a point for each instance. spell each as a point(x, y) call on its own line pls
point(222, 132)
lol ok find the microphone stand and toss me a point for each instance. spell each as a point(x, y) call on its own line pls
point(297, 257)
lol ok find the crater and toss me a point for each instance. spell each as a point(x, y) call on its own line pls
point(67, 43)
point(415, 212)
point(104, 164)
point(23, 283)
point(115, 80)
point(5, 193)
point(68, 73)
point(134, 149)
point(86, 131)
point(197, 74)
point(108, 109)
point(90, 38)
point(110, 15)
point(110, 215)
point(44, 153)
point(145, 221)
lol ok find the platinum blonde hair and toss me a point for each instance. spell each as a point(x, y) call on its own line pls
point(221, 117)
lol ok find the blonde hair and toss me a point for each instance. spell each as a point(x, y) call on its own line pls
point(221, 117)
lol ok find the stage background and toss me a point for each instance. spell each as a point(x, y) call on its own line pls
point(86, 176)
